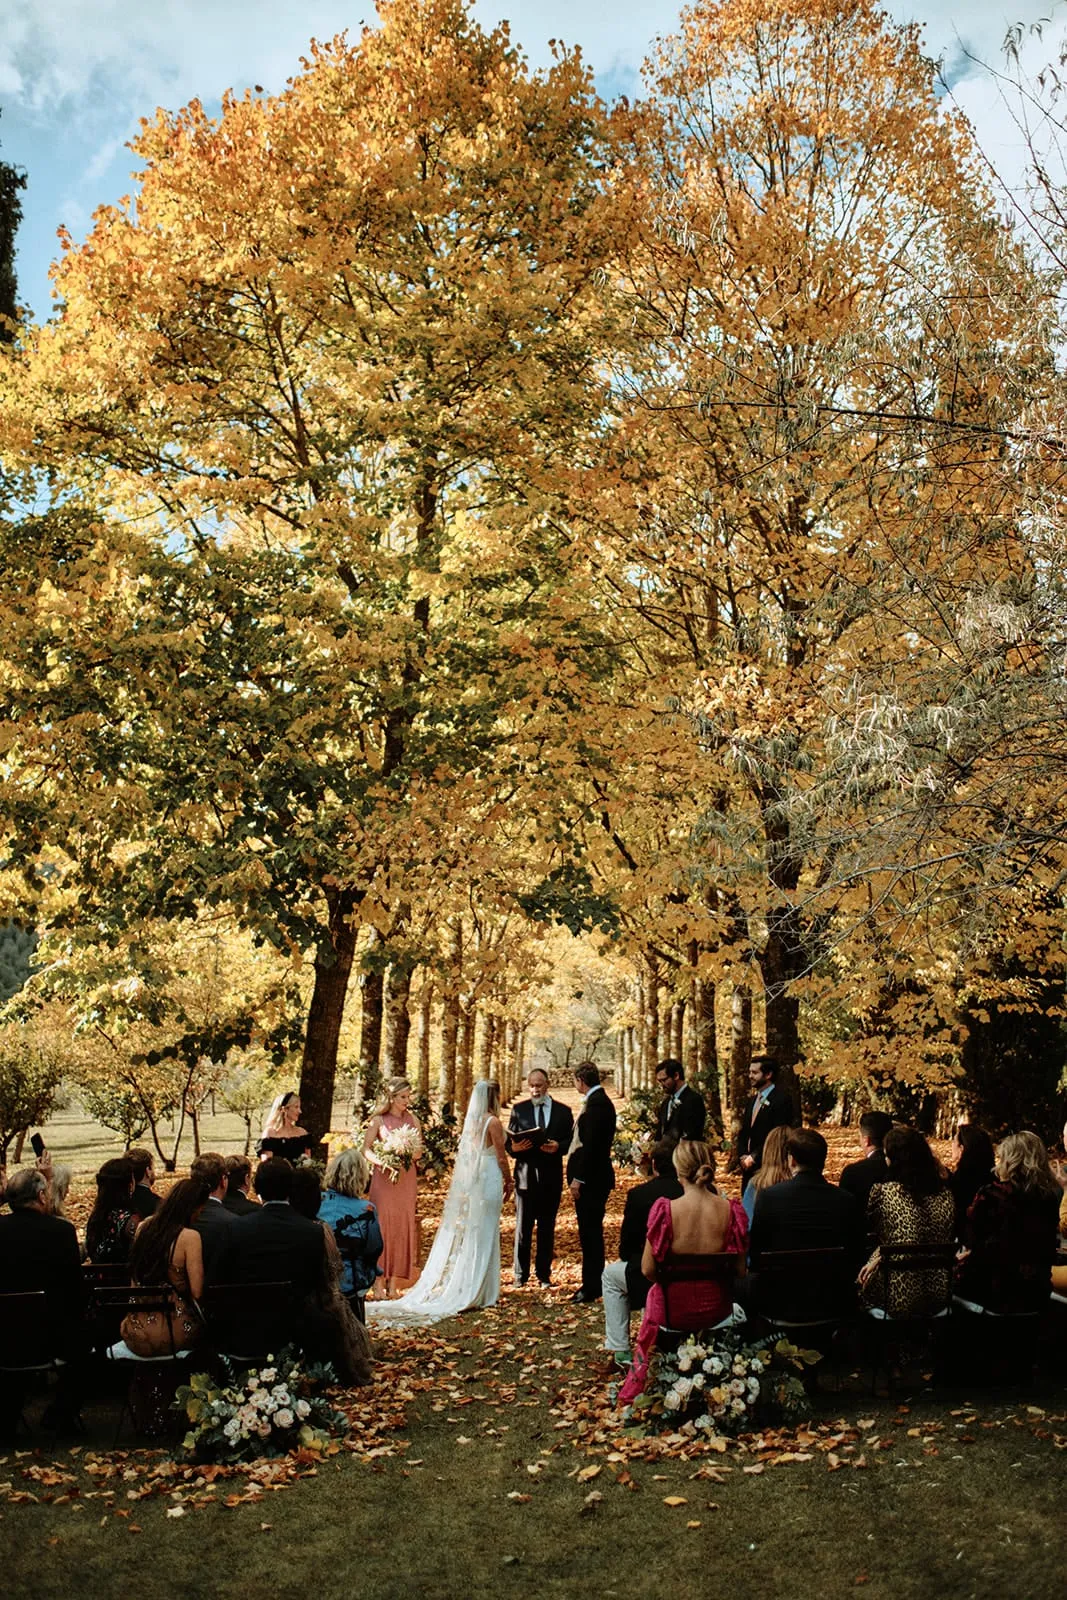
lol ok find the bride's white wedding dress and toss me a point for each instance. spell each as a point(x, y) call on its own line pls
point(462, 1270)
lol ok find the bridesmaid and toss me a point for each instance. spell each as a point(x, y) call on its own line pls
point(395, 1202)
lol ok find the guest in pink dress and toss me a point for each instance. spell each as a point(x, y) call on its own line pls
point(395, 1202)
point(701, 1222)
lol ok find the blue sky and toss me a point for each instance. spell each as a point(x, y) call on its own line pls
point(76, 76)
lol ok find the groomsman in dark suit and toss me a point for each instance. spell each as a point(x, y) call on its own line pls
point(539, 1135)
point(683, 1112)
point(591, 1176)
point(214, 1221)
point(770, 1107)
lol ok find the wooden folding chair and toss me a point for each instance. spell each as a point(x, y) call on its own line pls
point(890, 1329)
point(717, 1267)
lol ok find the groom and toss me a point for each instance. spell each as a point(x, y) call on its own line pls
point(539, 1132)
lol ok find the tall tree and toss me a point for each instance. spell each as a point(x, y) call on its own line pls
point(11, 182)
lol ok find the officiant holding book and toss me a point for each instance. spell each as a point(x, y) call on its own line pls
point(538, 1138)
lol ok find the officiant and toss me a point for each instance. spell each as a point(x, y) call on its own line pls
point(538, 1138)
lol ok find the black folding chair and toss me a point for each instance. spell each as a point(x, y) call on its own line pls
point(27, 1336)
point(717, 1267)
point(149, 1392)
point(248, 1321)
point(892, 1325)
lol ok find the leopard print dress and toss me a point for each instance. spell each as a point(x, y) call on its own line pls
point(895, 1216)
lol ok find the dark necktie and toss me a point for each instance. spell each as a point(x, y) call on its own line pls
point(541, 1115)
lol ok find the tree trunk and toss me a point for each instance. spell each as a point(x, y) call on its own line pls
point(333, 968)
point(397, 1021)
point(485, 1064)
point(676, 1028)
point(425, 1024)
point(450, 1020)
point(651, 1019)
point(704, 1049)
point(740, 1055)
point(468, 1016)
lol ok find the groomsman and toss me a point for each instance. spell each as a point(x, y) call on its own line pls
point(770, 1107)
point(539, 1134)
point(683, 1112)
point(591, 1175)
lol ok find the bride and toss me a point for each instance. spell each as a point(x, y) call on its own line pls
point(462, 1270)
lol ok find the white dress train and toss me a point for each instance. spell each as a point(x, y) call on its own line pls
point(462, 1271)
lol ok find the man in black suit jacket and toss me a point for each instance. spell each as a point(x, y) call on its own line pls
point(804, 1213)
point(145, 1201)
point(39, 1252)
point(625, 1285)
point(214, 1221)
point(238, 1179)
point(683, 1112)
point(860, 1177)
point(591, 1176)
point(275, 1244)
point(538, 1173)
point(770, 1107)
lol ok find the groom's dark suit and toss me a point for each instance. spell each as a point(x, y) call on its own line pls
point(590, 1165)
point(538, 1184)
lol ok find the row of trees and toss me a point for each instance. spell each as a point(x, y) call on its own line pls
point(463, 509)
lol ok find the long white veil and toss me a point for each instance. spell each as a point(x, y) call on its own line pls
point(452, 1278)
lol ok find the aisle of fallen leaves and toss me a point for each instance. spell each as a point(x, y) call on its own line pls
point(531, 1352)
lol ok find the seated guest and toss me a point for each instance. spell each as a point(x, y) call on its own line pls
point(860, 1177)
point(274, 1243)
point(349, 1351)
point(1011, 1234)
point(112, 1221)
point(145, 1199)
point(773, 1169)
point(213, 1221)
point(700, 1222)
point(624, 1284)
point(354, 1222)
point(237, 1200)
point(804, 1213)
point(167, 1252)
point(972, 1152)
point(39, 1253)
point(914, 1206)
point(58, 1189)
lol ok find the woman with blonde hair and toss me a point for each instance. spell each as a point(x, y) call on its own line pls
point(774, 1168)
point(354, 1223)
point(462, 1271)
point(282, 1134)
point(701, 1223)
point(1011, 1230)
point(394, 1193)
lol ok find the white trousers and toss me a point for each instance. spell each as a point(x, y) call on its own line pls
point(616, 1307)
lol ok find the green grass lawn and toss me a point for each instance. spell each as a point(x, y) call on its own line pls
point(931, 1496)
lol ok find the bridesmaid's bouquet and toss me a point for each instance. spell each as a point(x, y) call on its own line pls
point(395, 1150)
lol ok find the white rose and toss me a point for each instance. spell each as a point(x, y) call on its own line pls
point(685, 1363)
point(302, 1409)
point(264, 1429)
point(698, 1381)
point(672, 1400)
point(268, 1375)
point(284, 1417)
point(252, 1385)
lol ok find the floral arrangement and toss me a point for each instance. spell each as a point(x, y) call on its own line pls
point(635, 1128)
point(440, 1137)
point(396, 1149)
point(266, 1412)
point(716, 1383)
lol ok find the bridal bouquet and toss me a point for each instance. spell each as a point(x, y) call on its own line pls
point(281, 1407)
point(716, 1383)
point(395, 1150)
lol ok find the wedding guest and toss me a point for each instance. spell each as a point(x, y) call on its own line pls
point(774, 1168)
point(770, 1107)
point(282, 1134)
point(700, 1222)
point(591, 1176)
point(237, 1199)
point(973, 1155)
point(112, 1221)
point(625, 1286)
point(213, 1221)
point(167, 1253)
point(145, 1199)
point(1011, 1231)
point(395, 1195)
point(804, 1213)
point(274, 1243)
point(538, 1138)
point(354, 1221)
point(683, 1113)
point(913, 1206)
point(39, 1253)
point(348, 1344)
point(860, 1177)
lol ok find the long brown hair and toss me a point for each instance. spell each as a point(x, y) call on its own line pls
point(774, 1168)
point(153, 1244)
point(113, 1189)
